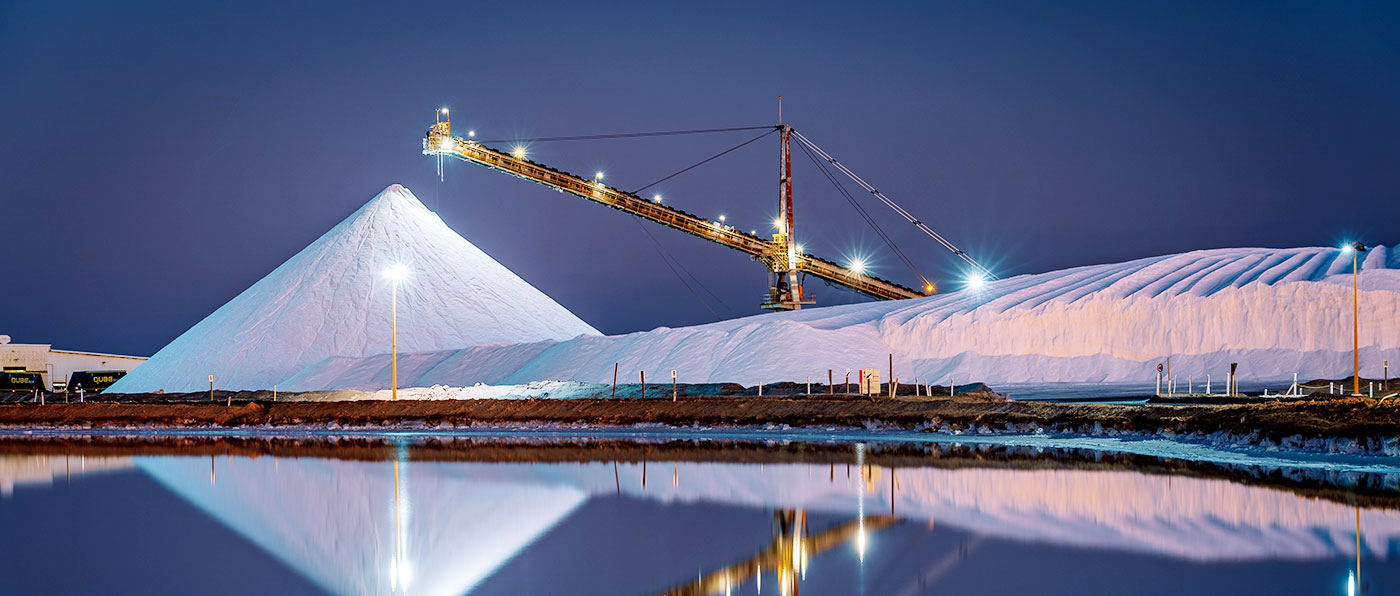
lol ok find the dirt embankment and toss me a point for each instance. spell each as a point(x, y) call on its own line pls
point(1374, 425)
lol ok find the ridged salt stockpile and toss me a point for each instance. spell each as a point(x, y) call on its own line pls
point(1275, 311)
point(332, 299)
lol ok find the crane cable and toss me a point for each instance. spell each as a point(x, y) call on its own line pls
point(668, 258)
point(895, 206)
point(705, 161)
point(864, 214)
point(627, 135)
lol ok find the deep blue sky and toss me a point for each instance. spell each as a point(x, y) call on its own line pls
point(158, 158)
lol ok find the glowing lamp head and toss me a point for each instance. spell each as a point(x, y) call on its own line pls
point(656, 198)
point(444, 111)
point(597, 176)
point(801, 250)
point(857, 266)
point(928, 288)
point(519, 152)
point(1346, 249)
point(778, 223)
point(471, 134)
point(396, 273)
point(976, 281)
point(721, 218)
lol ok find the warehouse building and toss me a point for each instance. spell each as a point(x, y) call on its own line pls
point(29, 367)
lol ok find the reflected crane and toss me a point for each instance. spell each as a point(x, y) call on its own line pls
point(786, 556)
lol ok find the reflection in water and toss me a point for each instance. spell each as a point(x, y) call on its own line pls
point(787, 557)
point(349, 527)
point(441, 528)
point(26, 470)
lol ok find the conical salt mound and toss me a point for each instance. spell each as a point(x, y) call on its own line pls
point(332, 299)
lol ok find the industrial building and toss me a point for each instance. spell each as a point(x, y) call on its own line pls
point(28, 367)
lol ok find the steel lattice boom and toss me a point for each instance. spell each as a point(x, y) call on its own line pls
point(773, 253)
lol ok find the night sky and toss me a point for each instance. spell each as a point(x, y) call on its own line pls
point(158, 158)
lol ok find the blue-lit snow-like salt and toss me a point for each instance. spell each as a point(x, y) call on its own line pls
point(333, 300)
point(1276, 312)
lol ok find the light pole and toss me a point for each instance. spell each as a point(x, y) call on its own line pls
point(1355, 248)
point(395, 273)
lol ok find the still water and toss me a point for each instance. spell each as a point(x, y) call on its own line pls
point(492, 518)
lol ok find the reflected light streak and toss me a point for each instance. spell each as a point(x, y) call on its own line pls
point(400, 570)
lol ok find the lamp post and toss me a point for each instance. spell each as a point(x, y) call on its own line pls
point(1355, 248)
point(395, 274)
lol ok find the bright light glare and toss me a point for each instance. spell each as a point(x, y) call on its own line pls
point(976, 281)
point(396, 272)
point(519, 152)
point(400, 573)
point(778, 223)
point(721, 218)
point(857, 266)
point(801, 250)
point(1351, 583)
point(444, 111)
point(446, 144)
point(656, 198)
point(1346, 248)
point(598, 176)
point(471, 134)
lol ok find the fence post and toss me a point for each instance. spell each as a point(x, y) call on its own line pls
point(673, 385)
point(614, 392)
point(644, 384)
point(830, 383)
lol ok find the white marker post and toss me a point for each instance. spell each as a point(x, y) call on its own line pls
point(673, 385)
point(211, 387)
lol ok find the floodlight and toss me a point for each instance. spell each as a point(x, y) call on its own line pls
point(396, 272)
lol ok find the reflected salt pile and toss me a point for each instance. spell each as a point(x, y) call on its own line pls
point(361, 528)
point(437, 528)
point(22, 470)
